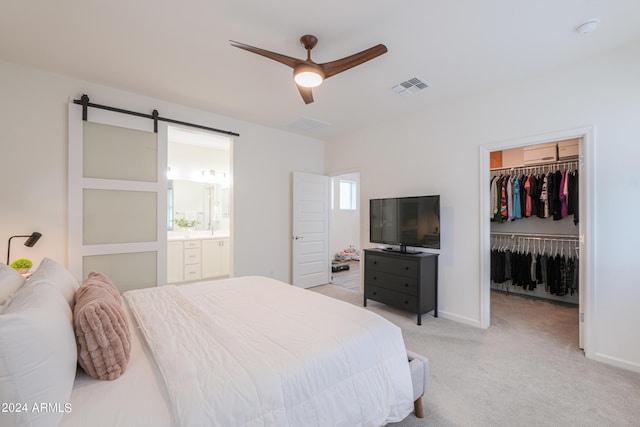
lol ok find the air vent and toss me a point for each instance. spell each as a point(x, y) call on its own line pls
point(305, 123)
point(410, 86)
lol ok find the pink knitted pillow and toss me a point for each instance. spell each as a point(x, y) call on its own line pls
point(102, 332)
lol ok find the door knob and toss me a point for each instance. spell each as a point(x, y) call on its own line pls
point(298, 237)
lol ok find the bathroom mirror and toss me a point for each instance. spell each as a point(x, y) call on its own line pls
point(205, 202)
point(199, 180)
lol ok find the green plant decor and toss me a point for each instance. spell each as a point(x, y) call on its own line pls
point(185, 223)
point(22, 263)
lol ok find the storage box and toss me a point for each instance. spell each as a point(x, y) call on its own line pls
point(541, 153)
point(569, 149)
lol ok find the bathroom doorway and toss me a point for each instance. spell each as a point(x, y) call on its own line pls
point(199, 196)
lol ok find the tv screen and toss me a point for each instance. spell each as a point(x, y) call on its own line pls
point(405, 221)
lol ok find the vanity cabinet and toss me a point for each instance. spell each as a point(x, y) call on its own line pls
point(195, 259)
point(175, 263)
point(217, 256)
point(192, 260)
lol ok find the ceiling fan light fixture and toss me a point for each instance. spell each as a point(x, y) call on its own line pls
point(306, 75)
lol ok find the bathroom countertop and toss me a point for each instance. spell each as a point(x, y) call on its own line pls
point(197, 235)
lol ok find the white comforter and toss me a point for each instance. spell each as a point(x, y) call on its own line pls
point(253, 351)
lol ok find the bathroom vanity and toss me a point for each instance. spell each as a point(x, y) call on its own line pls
point(197, 257)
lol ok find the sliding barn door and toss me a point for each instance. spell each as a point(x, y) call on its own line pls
point(117, 198)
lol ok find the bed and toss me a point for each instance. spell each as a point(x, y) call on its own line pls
point(246, 351)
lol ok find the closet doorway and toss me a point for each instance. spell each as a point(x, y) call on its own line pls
point(530, 235)
point(345, 241)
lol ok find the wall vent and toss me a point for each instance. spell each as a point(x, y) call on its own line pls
point(410, 86)
point(305, 123)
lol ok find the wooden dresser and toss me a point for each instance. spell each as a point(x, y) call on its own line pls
point(406, 281)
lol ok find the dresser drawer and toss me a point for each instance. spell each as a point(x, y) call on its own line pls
point(402, 266)
point(389, 297)
point(192, 256)
point(395, 282)
point(192, 272)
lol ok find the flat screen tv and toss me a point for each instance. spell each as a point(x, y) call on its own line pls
point(405, 221)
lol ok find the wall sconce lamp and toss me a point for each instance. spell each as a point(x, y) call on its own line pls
point(31, 241)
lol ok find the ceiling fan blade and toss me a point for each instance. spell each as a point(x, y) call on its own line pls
point(334, 67)
point(306, 93)
point(283, 59)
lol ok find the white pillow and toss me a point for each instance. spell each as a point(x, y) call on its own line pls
point(10, 281)
point(56, 274)
point(38, 357)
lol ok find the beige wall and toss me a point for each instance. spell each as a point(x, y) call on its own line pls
point(33, 168)
point(440, 150)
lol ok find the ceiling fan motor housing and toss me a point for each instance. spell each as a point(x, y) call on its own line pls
point(309, 41)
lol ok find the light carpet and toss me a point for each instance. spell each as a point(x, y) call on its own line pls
point(525, 370)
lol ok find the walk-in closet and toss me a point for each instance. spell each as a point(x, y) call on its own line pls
point(535, 216)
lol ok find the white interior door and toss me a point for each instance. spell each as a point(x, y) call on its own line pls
point(117, 198)
point(311, 265)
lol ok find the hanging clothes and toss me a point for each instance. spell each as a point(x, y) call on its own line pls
point(556, 274)
point(503, 199)
point(557, 203)
point(523, 195)
point(527, 197)
point(492, 204)
point(534, 192)
point(562, 194)
point(509, 199)
point(551, 194)
point(573, 196)
point(499, 199)
point(543, 211)
point(517, 206)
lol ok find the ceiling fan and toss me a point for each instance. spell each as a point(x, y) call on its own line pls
point(306, 73)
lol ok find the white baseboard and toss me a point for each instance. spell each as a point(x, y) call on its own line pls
point(461, 319)
point(614, 361)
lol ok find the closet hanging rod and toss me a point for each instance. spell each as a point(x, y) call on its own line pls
point(84, 101)
point(539, 165)
point(544, 239)
point(538, 236)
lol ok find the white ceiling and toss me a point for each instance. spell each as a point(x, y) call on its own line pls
point(178, 50)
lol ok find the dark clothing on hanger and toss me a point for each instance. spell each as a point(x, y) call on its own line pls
point(573, 196)
point(535, 194)
point(558, 273)
point(569, 276)
point(523, 195)
point(539, 269)
point(507, 264)
point(557, 208)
